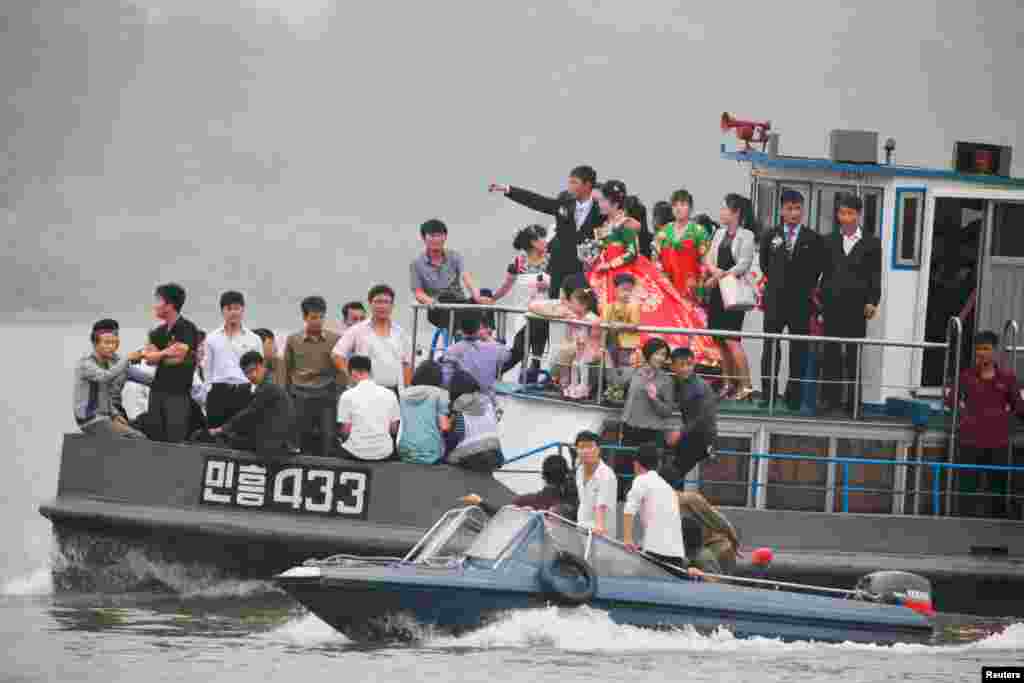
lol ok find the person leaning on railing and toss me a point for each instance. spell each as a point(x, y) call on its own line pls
point(989, 396)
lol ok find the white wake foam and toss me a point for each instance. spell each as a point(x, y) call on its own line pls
point(39, 582)
point(588, 630)
point(307, 630)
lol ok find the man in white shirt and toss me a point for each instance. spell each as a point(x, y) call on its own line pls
point(381, 340)
point(658, 507)
point(597, 486)
point(368, 415)
point(228, 391)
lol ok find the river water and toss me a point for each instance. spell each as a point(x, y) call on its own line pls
point(196, 629)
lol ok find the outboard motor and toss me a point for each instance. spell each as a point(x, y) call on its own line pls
point(897, 588)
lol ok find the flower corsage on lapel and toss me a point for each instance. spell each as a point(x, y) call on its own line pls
point(777, 242)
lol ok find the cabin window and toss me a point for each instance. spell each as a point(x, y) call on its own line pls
point(872, 218)
point(907, 228)
point(1008, 231)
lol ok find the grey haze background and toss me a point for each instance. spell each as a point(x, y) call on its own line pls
point(294, 147)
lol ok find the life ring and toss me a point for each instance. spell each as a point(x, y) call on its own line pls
point(568, 579)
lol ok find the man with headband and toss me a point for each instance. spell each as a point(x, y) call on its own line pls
point(99, 378)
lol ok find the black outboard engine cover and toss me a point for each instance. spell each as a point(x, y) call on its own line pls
point(898, 588)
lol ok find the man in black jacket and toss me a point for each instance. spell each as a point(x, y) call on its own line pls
point(576, 215)
point(791, 257)
point(265, 424)
point(851, 288)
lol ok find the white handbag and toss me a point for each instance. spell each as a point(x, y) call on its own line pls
point(737, 293)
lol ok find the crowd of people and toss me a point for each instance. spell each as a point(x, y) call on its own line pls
point(350, 388)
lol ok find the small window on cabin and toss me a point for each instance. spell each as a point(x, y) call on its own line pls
point(872, 218)
point(1008, 231)
point(909, 218)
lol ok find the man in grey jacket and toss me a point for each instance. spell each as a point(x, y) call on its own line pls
point(99, 379)
point(699, 407)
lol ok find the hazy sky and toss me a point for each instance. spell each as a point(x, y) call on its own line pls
point(293, 147)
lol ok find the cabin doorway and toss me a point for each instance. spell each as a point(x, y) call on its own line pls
point(957, 232)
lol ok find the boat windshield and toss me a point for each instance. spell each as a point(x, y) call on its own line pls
point(450, 536)
point(500, 531)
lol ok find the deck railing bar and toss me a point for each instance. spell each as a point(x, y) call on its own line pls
point(954, 335)
point(699, 332)
point(1011, 330)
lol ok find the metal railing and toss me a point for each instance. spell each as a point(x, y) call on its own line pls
point(845, 488)
point(951, 348)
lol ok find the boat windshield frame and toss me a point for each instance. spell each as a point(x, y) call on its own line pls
point(498, 537)
point(428, 550)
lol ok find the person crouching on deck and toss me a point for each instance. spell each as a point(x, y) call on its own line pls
point(655, 501)
point(719, 544)
point(99, 379)
point(266, 423)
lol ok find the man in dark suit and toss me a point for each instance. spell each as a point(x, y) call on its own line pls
point(851, 289)
point(576, 215)
point(792, 258)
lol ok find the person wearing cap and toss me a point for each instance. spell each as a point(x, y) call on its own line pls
point(99, 379)
point(266, 423)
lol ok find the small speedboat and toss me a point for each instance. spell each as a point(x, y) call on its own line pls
point(469, 570)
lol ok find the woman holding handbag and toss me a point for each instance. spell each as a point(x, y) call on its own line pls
point(728, 261)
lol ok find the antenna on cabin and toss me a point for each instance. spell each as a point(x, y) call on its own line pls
point(890, 147)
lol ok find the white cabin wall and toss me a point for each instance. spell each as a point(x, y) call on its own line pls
point(903, 306)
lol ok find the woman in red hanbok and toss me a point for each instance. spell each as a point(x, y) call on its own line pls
point(661, 304)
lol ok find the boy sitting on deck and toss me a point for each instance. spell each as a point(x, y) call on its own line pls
point(99, 379)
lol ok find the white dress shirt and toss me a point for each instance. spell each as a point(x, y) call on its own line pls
point(850, 242)
point(223, 353)
point(602, 489)
point(583, 210)
point(387, 354)
point(658, 506)
point(370, 409)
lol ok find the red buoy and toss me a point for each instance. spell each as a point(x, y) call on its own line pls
point(762, 556)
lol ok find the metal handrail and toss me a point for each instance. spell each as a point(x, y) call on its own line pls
point(954, 336)
point(845, 462)
point(693, 331)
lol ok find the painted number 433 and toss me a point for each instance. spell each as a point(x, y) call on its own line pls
point(323, 491)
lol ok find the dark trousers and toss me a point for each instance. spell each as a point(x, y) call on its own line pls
point(634, 437)
point(691, 449)
point(841, 360)
point(774, 323)
point(242, 442)
point(316, 417)
point(225, 401)
point(169, 416)
point(989, 482)
point(538, 340)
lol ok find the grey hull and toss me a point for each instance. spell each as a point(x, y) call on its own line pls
point(121, 493)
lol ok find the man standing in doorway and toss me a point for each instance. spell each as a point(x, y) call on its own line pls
point(791, 258)
point(172, 349)
point(851, 287)
point(576, 215)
